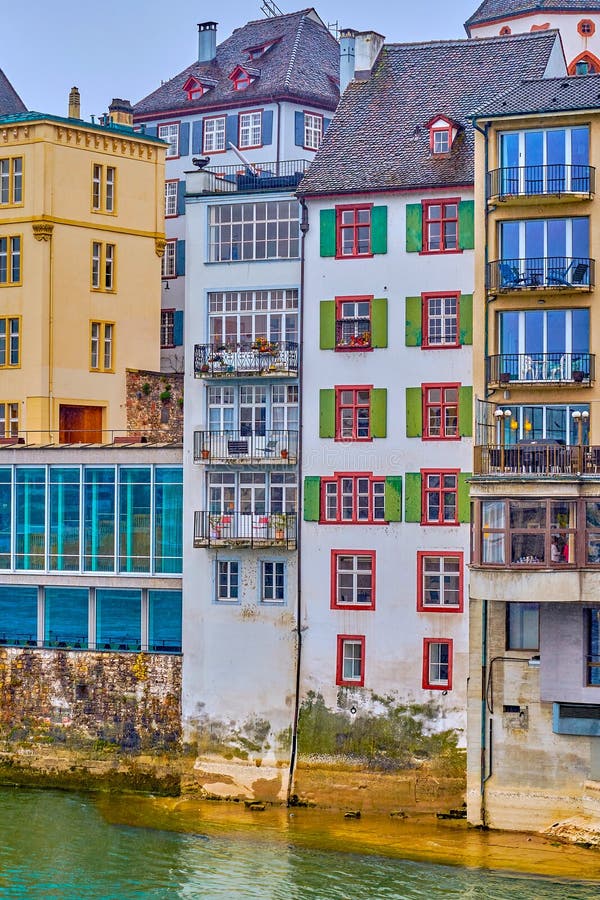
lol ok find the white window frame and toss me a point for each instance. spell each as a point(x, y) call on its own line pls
point(252, 246)
point(169, 260)
point(170, 133)
point(167, 328)
point(171, 188)
point(213, 140)
point(445, 318)
point(441, 575)
point(270, 314)
point(353, 574)
point(352, 659)
point(250, 129)
point(9, 418)
point(313, 131)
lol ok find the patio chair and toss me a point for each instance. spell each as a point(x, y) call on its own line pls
point(270, 447)
point(574, 274)
point(510, 276)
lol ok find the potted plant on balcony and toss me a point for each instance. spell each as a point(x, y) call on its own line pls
point(205, 453)
point(284, 453)
point(279, 525)
point(504, 377)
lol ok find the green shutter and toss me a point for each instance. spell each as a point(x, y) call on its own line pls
point(466, 224)
point(379, 412)
point(326, 413)
point(465, 411)
point(414, 322)
point(412, 506)
point(327, 219)
point(464, 502)
point(379, 229)
point(393, 498)
point(414, 227)
point(414, 412)
point(327, 333)
point(379, 323)
point(465, 319)
point(312, 498)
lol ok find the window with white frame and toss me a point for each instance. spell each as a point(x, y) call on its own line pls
point(284, 407)
point(313, 131)
point(241, 317)
point(350, 660)
point(272, 581)
point(437, 664)
point(167, 328)
point(441, 321)
point(254, 231)
point(170, 134)
point(353, 579)
point(221, 409)
point(169, 260)
point(252, 493)
point(214, 135)
point(171, 198)
point(283, 493)
point(228, 580)
point(440, 581)
point(354, 499)
point(9, 419)
point(253, 409)
point(250, 129)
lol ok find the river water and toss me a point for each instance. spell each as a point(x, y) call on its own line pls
point(69, 846)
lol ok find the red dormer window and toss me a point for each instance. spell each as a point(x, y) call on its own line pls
point(241, 78)
point(505, 30)
point(442, 132)
point(195, 89)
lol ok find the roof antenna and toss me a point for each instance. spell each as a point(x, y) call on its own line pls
point(334, 28)
point(270, 9)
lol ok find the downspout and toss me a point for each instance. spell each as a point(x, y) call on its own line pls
point(278, 134)
point(51, 338)
point(304, 226)
point(483, 778)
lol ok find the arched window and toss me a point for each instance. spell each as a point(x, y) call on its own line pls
point(585, 64)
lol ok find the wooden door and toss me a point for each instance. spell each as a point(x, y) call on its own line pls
point(80, 425)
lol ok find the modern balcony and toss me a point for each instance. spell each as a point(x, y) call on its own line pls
point(245, 530)
point(285, 175)
point(273, 448)
point(275, 359)
point(536, 458)
point(558, 181)
point(543, 273)
point(541, 369)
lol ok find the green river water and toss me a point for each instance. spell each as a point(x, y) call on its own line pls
point(69, 846)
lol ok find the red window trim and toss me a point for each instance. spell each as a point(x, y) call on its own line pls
point(427, 686)
point(214, 152)
point(247, 112)
point(351, 387)
point(334, 604)
point(433, 295)
point(366, 298)
point(586, 56)
point(443, 201)
point(337, 477)
point(172, 181)
point(338, 230)
point(170, 241)
point(439, 608)
point(339, 679)
point(424, 492)
point(449, 127)
point(170, 310)
point(586, 34)
point(442, 387)
point(308, 112)
point(171, 122)
point(505, 31)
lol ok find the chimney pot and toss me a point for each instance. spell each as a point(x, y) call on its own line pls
point(207, 41)
point(74, 103)
point(347, 46)
point(368, 44)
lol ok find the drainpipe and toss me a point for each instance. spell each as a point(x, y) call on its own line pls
point(483, 779)
point(304, 226)
point(278, 133)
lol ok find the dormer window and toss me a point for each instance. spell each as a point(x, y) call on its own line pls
point(242, 78)
point(195, 88)
point(260, 49)
point(442, 132)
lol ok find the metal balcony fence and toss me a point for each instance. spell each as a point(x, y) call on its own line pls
point(249, 359)
point(245, 529)
point(530, 181)
point(274, 448)
point(541, 273)
point(536, 458)
point(541, 368)
point(264, 176)
point(353, 334)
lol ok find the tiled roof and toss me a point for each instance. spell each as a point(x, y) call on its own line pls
point(546, 95)
point(10, 102)
point(302, 63)
point(490, 10)
point(378, 138)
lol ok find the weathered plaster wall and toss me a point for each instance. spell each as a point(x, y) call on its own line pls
point(155, 418)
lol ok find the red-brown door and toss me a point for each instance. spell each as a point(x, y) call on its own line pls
point(80, 425)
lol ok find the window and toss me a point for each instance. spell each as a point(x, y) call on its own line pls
point(103, 266)
point(593, 659)
point(540, 422)
point(584, 64)
point(10, 260)
point(241, 317)
point(440, 582)
point(353, 323)
point(272, 581)
point(541, 250)
point(440, 320)
point(353, 499)
point(169, 260)
point(437, 664)
point(505, 30)
point(9, 341)
point(440, 497)
point(254, 231)
point(538, 161)
point(353, 224)
point(440, 226)
point(9, 419)
point(586, 28)
point(228, 579)
point(101, 346)
point(440, 412)
point(167, 328)
point(250, 129)
point(353, 414)
point(195, 89)
point(214, 135)
point(350, 669)
point(103, 188)
point(441, 140)
point(353, 579)
point(522, 626)
point(530, 532)
point(171, 188)
point(170, 134)
point(241, 79)
point(313, 131)
point(544, 345)
point(11, 181)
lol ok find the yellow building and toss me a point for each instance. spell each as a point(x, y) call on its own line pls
point(534, 691)
point(81, 240)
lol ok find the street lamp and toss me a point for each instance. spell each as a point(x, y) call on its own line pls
point(502, 415)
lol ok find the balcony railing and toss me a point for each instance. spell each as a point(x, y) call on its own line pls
point(353, 334)
point(536, 458)
point(557, 180)
point(541, 368)
point(273, 448)
point(265, 176)
point(575, 273)
point(272, 358)
point(245, 530)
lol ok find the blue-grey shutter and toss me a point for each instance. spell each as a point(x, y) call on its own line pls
point(181, 198)
point(197, 136)
point(267, 126)
point(184, 139)
point(180, 258)
point(299, 129)
point(326, 124)
point(178, 327)
point(231, 131)
point(150, 130)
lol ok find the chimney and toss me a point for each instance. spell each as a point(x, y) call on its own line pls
point(207, 41)
point(367, 47)
point(121, 112)
point(347, 42)
point(74, 104)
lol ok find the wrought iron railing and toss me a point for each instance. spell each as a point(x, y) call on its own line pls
point(536, 458)
point(541, 273)
point(245, 529)
point(353, 334)
point(530, 181)
point(274, 358)
point(541, 368)
point(264, 176)
point(270, 447)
